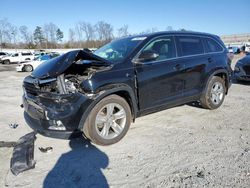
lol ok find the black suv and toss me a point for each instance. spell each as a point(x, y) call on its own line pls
point(101, 93)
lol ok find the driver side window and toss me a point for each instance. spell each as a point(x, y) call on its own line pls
point(164, 47)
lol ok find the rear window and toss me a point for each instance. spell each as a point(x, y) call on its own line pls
point(213, 46)
point(189, 45)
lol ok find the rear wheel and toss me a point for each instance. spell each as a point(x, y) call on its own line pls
point(28, 68)
point(214, 94)
point(108, 121)
point(7, 62)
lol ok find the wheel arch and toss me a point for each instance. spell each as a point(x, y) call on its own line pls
point(222, 74)
point(32, 68)
point(122, 90)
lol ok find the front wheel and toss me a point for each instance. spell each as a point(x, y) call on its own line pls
point(108, 121)
point(214, 94)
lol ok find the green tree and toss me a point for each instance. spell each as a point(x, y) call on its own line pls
point(59, 35)
point(38, 36)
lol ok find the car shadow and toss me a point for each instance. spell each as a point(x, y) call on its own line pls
point(80, 167)
point(241, 82)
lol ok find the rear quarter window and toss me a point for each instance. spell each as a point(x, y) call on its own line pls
point(212, 45)
point(189, 45)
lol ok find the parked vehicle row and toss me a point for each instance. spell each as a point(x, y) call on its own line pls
point(6, 58)
point(236, 49)
point(101, 93)
point(29, 66)
point(17, 57)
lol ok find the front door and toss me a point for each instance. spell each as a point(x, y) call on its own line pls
point(160, 81)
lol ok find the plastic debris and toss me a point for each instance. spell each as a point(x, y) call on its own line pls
point(23, 154)
point(45, 150)
point(13, 125)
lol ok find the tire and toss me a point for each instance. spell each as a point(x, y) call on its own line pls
point(28, 68)
point(104, 131)
point(7, 62)
point(214, 94)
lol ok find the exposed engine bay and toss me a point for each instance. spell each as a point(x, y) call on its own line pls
point(65, 74)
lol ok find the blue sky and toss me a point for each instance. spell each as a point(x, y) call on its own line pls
point(213, 16)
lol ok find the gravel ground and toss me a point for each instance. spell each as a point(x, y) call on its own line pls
point(185, 146)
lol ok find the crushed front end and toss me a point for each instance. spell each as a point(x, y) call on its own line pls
point(50, 110)
point(54, 99)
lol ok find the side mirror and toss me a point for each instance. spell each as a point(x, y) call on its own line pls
point(147, 55)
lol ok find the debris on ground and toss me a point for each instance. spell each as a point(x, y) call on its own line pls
point(46, 150)
point(23, 154)
point(13, 125)
point(4, 144)
point(200, 174)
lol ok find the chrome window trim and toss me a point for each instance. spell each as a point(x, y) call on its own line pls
point(177, 57)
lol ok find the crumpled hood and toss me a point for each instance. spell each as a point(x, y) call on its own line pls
point(58, 65)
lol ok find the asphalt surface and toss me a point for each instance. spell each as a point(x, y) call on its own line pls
point(185, 146)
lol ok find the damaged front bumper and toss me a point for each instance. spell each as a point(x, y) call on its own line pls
point(56, 115)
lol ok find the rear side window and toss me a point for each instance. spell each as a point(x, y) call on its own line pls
point(189, 45)
point(212, 45)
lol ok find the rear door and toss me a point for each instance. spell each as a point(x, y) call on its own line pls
point(192, 54)
point(160, 81)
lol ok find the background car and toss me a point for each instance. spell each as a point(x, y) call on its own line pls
point(29, 66)
point(233, 49)
point(242, 69)
point(2, 54)
point(17, 57)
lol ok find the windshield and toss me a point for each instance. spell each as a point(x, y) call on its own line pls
point(118, 50)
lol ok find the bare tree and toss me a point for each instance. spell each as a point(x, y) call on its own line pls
point(88, 30)
point(123, 31)
point(26, 36)
point(5, 35)
point(49, 31)
point(104, 31)
point(78, 31)
point(14, 33)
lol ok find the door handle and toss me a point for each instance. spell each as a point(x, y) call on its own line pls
point(128, 75)
point(210, 60)
point(178, 67)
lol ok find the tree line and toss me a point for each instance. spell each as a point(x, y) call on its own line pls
point(49, 35)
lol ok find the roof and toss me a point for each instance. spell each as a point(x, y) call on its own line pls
point(171, 32)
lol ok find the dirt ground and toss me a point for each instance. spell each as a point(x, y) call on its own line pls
point(185, 146)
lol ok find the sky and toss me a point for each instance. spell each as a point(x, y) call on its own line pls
point(213, 16)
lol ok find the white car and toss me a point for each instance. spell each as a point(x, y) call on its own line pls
point(17, 57)
point(2, 54)
point(29, 66)
point(247, 48)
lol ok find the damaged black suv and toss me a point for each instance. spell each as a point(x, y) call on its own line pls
point(100, 94)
